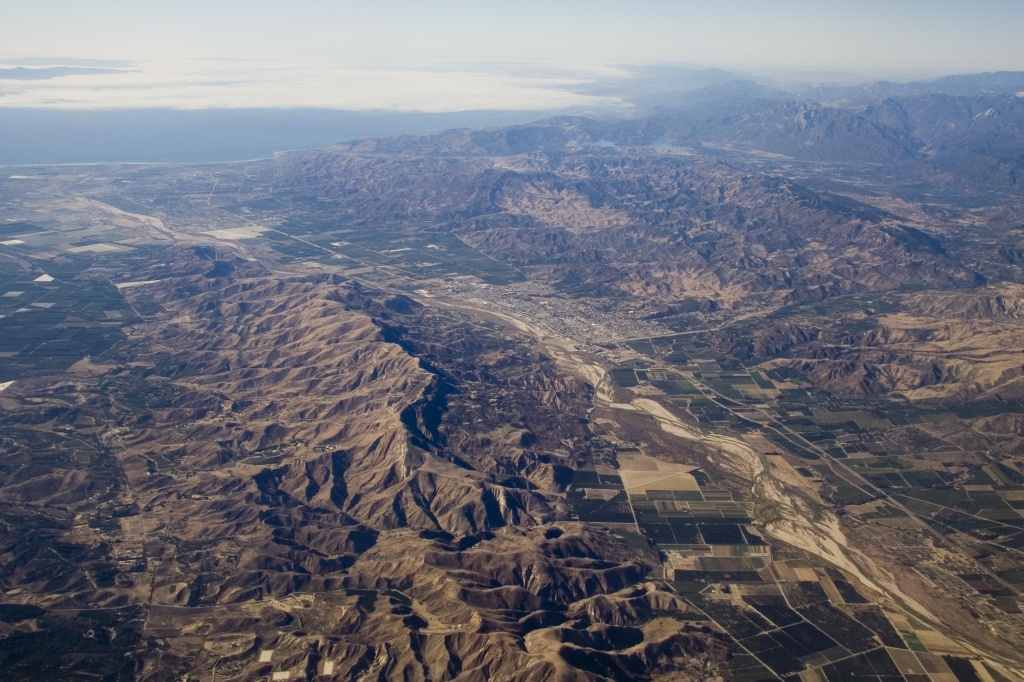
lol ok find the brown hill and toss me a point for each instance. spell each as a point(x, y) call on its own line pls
point(650, 224)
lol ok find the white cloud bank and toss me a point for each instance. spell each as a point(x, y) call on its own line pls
point(346, 85)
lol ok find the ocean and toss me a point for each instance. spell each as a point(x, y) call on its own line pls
point(54, 136)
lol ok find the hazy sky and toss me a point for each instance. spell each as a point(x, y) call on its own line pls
point(879, 38)
point(936, 35)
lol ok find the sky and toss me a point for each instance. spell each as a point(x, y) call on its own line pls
point(446, 55)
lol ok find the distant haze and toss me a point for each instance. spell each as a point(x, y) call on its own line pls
point(486, 62)
point(875, 37)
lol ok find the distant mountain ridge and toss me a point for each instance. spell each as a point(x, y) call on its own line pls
point(666, 86)
point(21, 73)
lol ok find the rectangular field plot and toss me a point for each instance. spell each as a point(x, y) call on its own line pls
point(625, 378)
point(745, 668)
point(721, 534)
point(775, 655)
point(685, 532)
point(660, 533)
point(677, 387)
point(641, 474)
point(775, 609)
point(424, 255)
point(864, 420)
point(839, 626)
point(616, 509)
point(52, 323)
point(591, 479)
point(236, 233)
point(873, 665)
point(740, 623)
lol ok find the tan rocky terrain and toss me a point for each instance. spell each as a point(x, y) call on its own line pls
point(945, 345)
point(335, 475)
point(678, 235)
point(545, 402)
point(654, 226)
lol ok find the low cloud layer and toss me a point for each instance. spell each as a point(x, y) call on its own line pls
point(230, 84)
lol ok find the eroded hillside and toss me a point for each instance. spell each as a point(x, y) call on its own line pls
point(559, 401)
point(334, 474)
